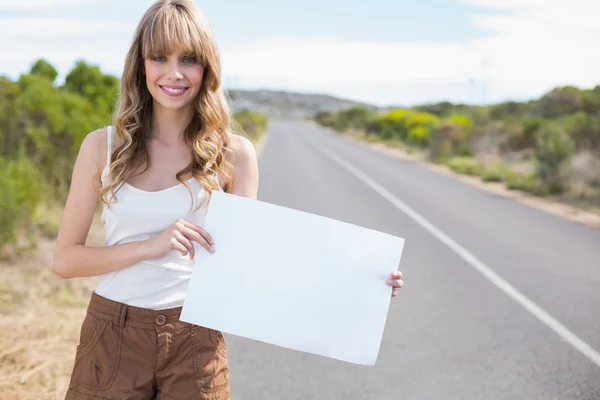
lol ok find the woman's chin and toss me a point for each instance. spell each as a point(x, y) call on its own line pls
point(173, 105)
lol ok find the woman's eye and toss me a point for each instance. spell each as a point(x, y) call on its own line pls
point(158, 58)
point(189, 60)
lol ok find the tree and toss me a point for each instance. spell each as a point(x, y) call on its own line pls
point(44, 69)
point(89, 81)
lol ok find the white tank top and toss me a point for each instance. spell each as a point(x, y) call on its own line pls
point(138, 215)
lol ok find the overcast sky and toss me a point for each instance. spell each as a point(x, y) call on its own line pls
point(385, 52)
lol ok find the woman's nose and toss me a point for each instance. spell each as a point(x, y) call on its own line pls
point(174, 72)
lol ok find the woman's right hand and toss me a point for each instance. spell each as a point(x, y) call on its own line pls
point(179, 237)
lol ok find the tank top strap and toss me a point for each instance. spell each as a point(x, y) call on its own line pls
point(109, 149)
point(109, 143)
point(218, 181)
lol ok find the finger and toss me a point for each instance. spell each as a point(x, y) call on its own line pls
point(195, 236)
point(175, 245)
point(201, 231)
point(394, 293)
point(186, 243)
point(395, 283)
point(397, 275)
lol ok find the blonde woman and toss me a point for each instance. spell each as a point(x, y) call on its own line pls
point(170, 145)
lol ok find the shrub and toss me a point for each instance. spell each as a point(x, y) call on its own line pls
point(526, 183)
point(450, 137)
point(21, 193)
point(253, 124)
point(554, 148)
point(466, 165)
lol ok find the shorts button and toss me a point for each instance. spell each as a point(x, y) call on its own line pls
point(161, 319)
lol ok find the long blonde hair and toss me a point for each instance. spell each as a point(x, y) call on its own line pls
point(165, 24)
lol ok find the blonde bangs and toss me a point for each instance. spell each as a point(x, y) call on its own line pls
point(173, 26)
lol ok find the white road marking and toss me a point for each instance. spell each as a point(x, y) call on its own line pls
point(537, 311)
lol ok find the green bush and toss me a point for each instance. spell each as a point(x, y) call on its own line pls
point(354, 118)
point(446, 138)
point(466, 165)
point(496, 173)
point(526, 183)
point(252, 123)
point(326, 118)
point(21, 193)
point(554, 148)
point(584, 129)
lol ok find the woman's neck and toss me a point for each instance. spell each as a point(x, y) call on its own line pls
point(168, 125)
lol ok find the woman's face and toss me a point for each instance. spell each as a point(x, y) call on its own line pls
point(174, 80)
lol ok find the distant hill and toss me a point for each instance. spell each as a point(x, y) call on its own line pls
point(288, 104)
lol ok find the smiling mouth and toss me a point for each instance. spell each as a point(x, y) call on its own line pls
point(174, 90)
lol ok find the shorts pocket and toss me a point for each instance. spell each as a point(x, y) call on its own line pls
point(210, 359)
point(98, 354)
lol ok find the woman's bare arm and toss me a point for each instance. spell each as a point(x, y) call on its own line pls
point(72, 258)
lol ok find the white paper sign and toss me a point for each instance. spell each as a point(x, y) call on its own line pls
point(293, 279)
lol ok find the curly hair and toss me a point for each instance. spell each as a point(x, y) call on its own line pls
point(165, 24)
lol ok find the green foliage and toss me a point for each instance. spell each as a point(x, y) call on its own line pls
point(326, 118)
point(526, 183)
point(41, 129)
point(496, 173)
point(465, 123)
point(554, 149)
point(252, 123)
point(547, 131)
point(561, 101)
point(21, 193)
point(354, 118)
point(451, 137)
point(584, 129)
point(414, 128)
point(466, 165)
point(441, 110)
point(509, 109)
point(42, 68)
point(88, 81)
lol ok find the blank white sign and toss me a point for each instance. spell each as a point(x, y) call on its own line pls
point(293, 279)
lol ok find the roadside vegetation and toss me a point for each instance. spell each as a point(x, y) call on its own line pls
point(547, 147)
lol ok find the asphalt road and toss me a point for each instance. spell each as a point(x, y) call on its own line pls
point(501, 301)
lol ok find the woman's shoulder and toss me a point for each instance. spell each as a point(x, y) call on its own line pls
point(241, 146)
point(95, 146)
point(243, 152)
point(245, 166)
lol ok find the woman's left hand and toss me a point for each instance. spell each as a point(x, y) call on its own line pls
point(395, 281)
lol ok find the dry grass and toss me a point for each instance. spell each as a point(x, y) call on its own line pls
point(40, 318)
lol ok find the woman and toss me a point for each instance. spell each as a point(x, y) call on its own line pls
point(153, 171)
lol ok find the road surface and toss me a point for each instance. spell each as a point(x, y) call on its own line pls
point(501, 301)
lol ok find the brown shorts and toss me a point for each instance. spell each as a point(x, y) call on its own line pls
point(132, 353)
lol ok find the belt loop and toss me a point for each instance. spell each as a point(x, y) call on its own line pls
point(121, 314)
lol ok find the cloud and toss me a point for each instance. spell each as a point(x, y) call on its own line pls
point(39, 27)
point(62, 41)
point(40, 4)
point(534, 47)
point(317, 61)
point(527, 49)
